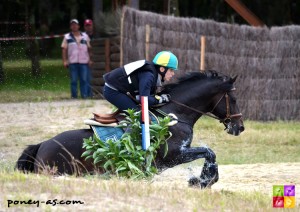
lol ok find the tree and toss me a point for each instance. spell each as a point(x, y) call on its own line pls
point(33, 44)
point(1, 68)
point(134, 4)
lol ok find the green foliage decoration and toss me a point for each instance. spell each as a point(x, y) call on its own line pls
point(125, 157)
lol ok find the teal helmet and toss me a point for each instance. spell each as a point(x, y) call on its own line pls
point(166, 59)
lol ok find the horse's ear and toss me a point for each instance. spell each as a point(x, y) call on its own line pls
point(232, 80)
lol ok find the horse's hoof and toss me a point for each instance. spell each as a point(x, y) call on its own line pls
point(194, 182)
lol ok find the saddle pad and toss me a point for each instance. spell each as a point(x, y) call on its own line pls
point(105, 133)
point(153, 118)
point(95, 123)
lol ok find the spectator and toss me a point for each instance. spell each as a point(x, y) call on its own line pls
point(89, 30)
point(75, 55)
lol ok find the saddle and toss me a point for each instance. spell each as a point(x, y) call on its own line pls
point(109, 118)
point(112, 119)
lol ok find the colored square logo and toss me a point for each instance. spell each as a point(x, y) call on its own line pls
point(278, 202)
point(289, 190)
point(278, 191)
point(284, 196)
point(289, 202)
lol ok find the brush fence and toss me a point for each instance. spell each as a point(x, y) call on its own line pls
point(266, 60)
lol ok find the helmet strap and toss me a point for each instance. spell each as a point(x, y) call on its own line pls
point(163, 74)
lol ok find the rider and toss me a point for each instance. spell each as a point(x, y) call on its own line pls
point(140, 78)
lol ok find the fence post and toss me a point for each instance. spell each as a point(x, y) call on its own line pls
point(202, 53)
point(121, 38)
point(107, 55)
point(148, 30)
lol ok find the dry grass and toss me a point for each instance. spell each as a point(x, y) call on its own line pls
point(115, 195)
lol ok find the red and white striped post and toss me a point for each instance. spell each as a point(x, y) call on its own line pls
point(145, 123)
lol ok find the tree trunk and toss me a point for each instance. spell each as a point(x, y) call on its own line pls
point(97, 9)
point(174, 9)
point(33, 44)
point(134, 4)
point(1, 68)
point(74, 9)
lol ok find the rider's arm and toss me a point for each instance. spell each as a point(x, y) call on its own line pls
point(146, 80)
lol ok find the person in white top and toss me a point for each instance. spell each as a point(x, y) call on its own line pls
point(76, 56)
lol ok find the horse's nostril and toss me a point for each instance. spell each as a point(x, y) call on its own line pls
point(242, 128)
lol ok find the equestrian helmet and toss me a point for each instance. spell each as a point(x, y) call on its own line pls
point(166, 59)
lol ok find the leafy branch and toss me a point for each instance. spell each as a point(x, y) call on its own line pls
point(125, 157)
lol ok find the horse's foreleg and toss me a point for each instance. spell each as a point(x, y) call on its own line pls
point(209, 174)
point(192, 153)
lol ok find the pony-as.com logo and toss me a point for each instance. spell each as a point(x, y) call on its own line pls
point(284, 196)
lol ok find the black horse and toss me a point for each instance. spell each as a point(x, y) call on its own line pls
point(196, 94)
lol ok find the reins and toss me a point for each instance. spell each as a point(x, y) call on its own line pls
point(228, 115)
point(195, 110)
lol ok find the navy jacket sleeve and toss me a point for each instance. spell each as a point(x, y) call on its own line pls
point(146, 81)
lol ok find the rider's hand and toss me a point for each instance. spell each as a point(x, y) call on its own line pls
point(164, 98)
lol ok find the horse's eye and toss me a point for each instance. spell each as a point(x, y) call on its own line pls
point(227, 121)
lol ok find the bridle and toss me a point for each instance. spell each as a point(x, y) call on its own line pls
point(228, 116)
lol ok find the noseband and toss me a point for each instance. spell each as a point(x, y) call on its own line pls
point(229, 116)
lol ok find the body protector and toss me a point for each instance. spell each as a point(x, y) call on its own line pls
point(137, 78)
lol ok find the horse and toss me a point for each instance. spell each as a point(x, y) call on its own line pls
point(210, 93)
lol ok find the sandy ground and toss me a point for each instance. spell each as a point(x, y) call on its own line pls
point(45, 119)
point(241, 178)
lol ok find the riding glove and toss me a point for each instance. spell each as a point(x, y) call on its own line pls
point(164, 98)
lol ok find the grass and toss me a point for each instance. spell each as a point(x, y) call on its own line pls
point(20, 86)
point(261, 142)
point(126, 195)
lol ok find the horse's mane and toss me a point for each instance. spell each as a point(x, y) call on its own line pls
point(196, 76)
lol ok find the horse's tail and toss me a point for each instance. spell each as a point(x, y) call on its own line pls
point(26, 161)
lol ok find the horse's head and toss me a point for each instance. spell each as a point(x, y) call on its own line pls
point(224, 106)
point(197, 94)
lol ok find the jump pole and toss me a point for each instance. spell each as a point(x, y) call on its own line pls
point(145, 123)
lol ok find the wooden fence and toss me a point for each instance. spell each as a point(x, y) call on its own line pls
point(105, 57)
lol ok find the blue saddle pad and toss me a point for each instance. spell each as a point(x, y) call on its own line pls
point(105, 133)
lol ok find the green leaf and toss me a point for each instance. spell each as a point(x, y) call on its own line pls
point(97, 160)
point(86, 153)
point(166, 149)
point(133, 167)
point(121, 168)
point(108, 164)
point(151, 149)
